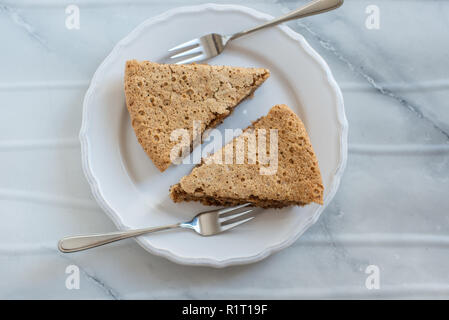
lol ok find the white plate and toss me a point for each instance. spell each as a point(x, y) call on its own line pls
point(134, 193)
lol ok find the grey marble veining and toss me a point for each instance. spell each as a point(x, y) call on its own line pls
point(391, 209)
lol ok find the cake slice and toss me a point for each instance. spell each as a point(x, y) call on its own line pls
point(294, 180)
point(162, 98)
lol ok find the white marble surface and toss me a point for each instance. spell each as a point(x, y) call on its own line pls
point(392, 209)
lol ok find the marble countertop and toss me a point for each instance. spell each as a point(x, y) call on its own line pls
point(389, 218)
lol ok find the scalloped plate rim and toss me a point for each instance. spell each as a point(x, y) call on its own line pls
point(342, 121)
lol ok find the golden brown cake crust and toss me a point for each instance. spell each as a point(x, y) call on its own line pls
point(297, 180)
point(162, 98)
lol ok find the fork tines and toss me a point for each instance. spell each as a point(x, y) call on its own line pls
point(232, 217)
point(190, 48)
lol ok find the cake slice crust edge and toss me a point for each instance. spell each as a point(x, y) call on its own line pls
point(161, 98)
point(307, 191)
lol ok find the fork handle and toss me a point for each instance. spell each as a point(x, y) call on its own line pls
point(312, 8)
point(79, 243)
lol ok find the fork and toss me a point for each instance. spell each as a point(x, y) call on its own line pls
point(211, 45)
point(206, 223)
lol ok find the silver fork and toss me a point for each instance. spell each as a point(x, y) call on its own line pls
point(211, 45)
point(205, 223)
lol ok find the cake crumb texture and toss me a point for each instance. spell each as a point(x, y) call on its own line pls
point(161, 98)
point(297, 180)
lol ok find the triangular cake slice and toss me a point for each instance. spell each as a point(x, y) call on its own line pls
point(295, 180)
point(162, 98)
